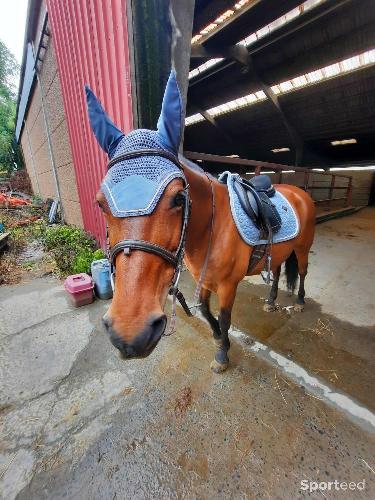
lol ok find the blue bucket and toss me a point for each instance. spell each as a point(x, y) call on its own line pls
point(101, 274)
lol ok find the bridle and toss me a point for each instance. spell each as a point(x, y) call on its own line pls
point(127, 246)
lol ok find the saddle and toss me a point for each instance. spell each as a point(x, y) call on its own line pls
point(255, 198)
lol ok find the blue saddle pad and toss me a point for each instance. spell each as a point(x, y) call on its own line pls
point(247, 229)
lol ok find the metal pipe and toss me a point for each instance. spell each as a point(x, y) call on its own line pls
point(349, 193)
point(49, 141)
point(306, 180)
point(331, 188)
point(333, 199)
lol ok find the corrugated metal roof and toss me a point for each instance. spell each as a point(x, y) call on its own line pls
point(91, 43)
point(294, 56)
point(27, 84)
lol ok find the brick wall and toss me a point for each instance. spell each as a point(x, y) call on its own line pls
point(41, 174)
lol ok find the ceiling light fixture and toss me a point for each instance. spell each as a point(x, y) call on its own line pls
point(280, 150)
point(336, 169)
point(343, 142)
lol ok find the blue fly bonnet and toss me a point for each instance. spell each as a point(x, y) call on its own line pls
point(134, 186)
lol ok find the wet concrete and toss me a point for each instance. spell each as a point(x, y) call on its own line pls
point(79, 423)
point(166, 427)
point(341, 280)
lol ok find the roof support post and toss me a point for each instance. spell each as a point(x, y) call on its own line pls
point(161, 33)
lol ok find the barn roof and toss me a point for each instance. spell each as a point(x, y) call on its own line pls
point(283, 74)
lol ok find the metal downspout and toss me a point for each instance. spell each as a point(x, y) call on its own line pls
point(48, 132)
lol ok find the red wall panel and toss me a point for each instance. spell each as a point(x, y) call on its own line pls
point(91, 43)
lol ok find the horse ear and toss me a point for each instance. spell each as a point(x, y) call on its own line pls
point(169, 123)
point(106, 132)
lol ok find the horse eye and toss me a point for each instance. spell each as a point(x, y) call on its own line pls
point(179, 200)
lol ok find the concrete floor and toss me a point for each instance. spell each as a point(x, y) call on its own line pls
point(79, 423)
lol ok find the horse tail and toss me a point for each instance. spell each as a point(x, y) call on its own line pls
point(291, 271)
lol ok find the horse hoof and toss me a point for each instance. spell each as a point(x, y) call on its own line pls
point(299, 307)
point(269, 307)
point(218, 367)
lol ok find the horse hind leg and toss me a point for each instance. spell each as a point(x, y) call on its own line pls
point(270, 305)
point(302, 258)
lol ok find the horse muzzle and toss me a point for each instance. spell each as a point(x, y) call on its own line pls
point(144, 343)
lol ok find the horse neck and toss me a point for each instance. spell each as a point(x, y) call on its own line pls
point(199, 228)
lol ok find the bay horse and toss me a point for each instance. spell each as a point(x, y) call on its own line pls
point(136, 320)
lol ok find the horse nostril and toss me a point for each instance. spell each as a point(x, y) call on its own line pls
point(106, 322)
point(158, 326)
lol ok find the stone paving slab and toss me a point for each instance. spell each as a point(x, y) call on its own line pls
point(83, 424)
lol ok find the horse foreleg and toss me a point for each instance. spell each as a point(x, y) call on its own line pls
point(204, 299)
point(302, 258)
point(226, 299)
point(270, 306)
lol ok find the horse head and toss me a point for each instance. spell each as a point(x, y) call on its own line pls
point(145, 203)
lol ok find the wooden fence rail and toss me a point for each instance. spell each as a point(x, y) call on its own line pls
point(279, 169)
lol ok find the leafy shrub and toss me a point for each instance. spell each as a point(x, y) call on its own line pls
point(72, 249)
point(82, 262)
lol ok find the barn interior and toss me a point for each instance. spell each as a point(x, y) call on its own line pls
point(283, 81)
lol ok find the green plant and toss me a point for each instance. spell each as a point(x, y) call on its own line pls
point(10, 156)
point(72, 249)
point(37, 199)
point(82, 262)
point(37, 229)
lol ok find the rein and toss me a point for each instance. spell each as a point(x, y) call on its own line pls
point(175, 259)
